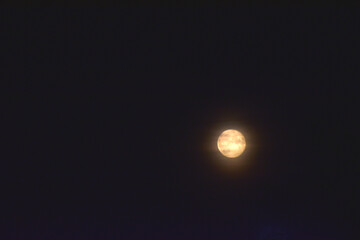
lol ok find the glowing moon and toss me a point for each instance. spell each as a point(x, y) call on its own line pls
point(231, 143)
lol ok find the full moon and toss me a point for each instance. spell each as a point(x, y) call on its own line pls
point(231, 143)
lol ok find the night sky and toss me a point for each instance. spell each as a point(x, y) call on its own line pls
point(117, 112)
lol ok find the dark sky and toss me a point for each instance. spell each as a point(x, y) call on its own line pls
point(114, 127)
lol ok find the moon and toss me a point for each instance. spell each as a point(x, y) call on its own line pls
point(231, 143)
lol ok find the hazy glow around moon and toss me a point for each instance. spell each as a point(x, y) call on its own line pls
point(231, 143)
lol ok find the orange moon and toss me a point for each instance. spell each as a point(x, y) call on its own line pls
point(231, 143)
